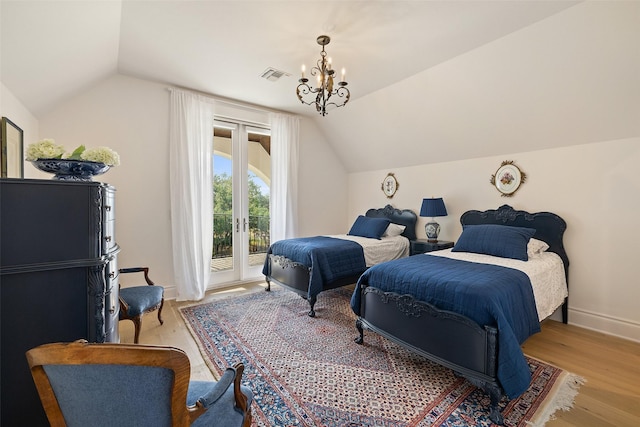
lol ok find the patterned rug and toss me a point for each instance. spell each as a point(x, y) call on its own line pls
point(308, 371)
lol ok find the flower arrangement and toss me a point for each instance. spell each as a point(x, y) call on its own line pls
point(48, 149)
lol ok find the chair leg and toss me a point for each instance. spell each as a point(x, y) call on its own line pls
point(160, 312)
point(137, 321)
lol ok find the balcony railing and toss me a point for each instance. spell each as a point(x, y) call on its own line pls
point(223, 235)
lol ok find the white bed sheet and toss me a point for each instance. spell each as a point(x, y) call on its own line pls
point(545, 271)
point(376, 251)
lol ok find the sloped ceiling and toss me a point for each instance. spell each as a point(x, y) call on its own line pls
point(53, 50)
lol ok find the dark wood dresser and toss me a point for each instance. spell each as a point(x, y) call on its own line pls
point(58, 279)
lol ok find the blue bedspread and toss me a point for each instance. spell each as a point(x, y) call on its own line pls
point(488, 294)
point(329, 259)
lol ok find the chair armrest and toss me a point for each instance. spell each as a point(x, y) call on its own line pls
point(231, 375)
point(138, 270)
point(219, 389)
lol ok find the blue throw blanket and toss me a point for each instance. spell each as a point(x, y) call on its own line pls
point(328, 258)
point(489, 295)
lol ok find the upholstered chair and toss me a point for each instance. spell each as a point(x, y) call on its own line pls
point(135, 301)
point(82, 384)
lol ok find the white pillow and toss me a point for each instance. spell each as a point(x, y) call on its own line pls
point(536, 247)
point(394, 230)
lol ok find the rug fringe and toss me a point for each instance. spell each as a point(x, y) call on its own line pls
point(563, 399)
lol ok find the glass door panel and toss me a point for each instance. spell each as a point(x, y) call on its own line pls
point(242, 176)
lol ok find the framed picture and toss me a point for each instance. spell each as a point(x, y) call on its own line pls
point(390, 185)
point(508, 178)
point(11, 164)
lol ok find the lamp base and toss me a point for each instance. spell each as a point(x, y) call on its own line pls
point(432, 229)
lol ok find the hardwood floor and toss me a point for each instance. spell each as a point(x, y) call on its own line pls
point(611, 366)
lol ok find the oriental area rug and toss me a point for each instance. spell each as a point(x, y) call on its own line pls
point(307, 371)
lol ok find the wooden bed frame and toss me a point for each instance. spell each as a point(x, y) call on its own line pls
point(296, 277)
point(448, 338)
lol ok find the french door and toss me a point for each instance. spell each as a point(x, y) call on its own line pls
point(241, 180)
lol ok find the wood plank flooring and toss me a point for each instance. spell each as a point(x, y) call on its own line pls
point(611, 366)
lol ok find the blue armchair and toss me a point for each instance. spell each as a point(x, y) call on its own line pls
point(82, 384)
point(135, 301)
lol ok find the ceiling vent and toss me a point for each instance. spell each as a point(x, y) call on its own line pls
point(273, 75)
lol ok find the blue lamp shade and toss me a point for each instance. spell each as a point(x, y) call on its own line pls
point(432, 208)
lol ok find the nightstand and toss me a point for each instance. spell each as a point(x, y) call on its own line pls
point(422, 246)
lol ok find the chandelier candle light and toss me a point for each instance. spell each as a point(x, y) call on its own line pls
point(324, 94)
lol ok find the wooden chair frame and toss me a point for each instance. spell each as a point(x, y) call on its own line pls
point(82, 353)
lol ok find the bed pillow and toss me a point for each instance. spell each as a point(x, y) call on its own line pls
point(535, 247)
point(369, 227)
point(394, 230)
point(498, 240)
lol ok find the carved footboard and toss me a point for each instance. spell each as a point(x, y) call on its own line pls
point(295, 277)
point(447, 338)
point(289, 274)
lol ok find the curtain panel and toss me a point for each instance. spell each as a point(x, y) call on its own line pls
point(191, 164)
point(285, 134)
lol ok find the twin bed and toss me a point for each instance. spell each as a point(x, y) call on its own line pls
point(311, 265)
point(469, 308)
point(467, 313)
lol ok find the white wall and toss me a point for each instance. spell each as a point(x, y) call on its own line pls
point(13, 109)
point(322, 198)
point(131, 116)
point(594, 187)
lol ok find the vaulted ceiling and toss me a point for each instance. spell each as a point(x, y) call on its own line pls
point(53, 50)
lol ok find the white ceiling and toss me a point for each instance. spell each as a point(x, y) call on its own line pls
point(52, 50)
point(431, 81)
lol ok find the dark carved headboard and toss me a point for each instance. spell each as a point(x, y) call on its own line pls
point(405, 217)
point(549, 228)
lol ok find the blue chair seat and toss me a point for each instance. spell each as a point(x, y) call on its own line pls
point(141, 298)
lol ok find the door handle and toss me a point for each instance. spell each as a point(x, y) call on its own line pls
point(237, 225)
point(244, 225)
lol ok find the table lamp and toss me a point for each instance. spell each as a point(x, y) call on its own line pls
point(432, 208)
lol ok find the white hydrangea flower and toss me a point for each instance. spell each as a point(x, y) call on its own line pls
point(44, 149)
point(101, 155)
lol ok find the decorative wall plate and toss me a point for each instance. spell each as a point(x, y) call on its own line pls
point(508, 178)
point(390, 185)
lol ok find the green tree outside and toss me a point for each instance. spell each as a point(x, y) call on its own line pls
point(223, 219)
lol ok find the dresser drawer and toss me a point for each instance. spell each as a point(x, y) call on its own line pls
point(111, 273)
point(112, 313)
point(108, 236)
point(109, 203)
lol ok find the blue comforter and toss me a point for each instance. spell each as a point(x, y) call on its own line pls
point(488, 294)
point(328, 258)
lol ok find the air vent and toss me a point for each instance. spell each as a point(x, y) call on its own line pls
point(273, 75)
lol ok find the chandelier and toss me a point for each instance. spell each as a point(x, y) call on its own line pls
point(325, 94)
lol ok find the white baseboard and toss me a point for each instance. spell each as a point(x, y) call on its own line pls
point(623, 328)
point(169, 292)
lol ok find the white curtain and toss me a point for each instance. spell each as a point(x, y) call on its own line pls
point(191, 147)
point(285, 130)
